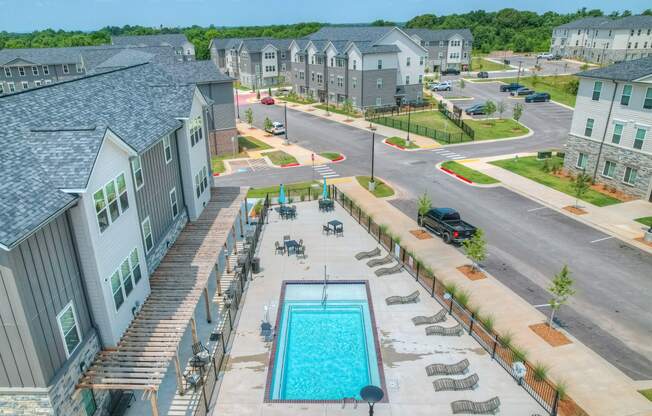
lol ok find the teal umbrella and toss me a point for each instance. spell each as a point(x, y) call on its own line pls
point(324, 193)
point(281, 195)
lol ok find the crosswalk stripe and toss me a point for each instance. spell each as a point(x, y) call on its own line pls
point(322, 168)
point(331, 175)
point(457, 157)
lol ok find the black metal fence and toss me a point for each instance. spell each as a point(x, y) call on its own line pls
point(543, 391)
point(456, 117)
point(294, 195)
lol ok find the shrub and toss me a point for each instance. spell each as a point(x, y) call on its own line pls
point(302, 197)
point(572, 86)
point(506, 339)
point(540, 371)
point(561, 388)
point(450, 288)
point(520, 354)
point(487, 322)
point(546, 166)
point(462, 297)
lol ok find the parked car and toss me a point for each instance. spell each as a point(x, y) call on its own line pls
point(447, 223)
point(536, 97)
point(474, 110)
point(450, 71)
point(277, 128)
point(521, 91)
point(510, 87)
point(483, 74)
point(555, 57)
point(546, 55)
point(267, 101)
point(441, 86)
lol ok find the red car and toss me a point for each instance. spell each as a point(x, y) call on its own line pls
point(267, 101)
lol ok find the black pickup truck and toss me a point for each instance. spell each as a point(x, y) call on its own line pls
point(510, 87)
point(447, 223)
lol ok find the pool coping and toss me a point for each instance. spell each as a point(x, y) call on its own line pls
point(374, 330)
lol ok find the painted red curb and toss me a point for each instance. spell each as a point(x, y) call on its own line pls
point(216, 174)
point(450, 172)
point(290, 165)
point(337, 159)
point(394, 145)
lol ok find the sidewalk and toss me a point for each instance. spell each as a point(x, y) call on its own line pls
point(594, 384)
point(616, 220)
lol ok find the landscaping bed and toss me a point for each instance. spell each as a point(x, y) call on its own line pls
point(280, 158)
point(382, 189)
point(338, 110)
point(296, 99)
point(550, 335)
point(492, 129)
point(421, 234)
point(468, 173)
point(532, 168)
point(401, 143)
point(647, 221)
point(470, 273)
point(431, 119)
point(332, 156)
point(479, 63)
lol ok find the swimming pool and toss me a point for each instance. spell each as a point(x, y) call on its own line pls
point(324, 351)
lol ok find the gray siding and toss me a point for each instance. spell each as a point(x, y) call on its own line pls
point(39, 278)
point(223, 116)
point(153, 199)
point(55, 74)
point(371, 91)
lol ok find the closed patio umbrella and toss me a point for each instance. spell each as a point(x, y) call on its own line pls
point(324, 193)
point(281, 196)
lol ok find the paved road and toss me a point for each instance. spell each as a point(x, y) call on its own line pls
point(528, 242)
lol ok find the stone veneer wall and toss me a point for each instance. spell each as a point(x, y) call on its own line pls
point(622, 158)
point(220, 141)
point(156, 255)
point(61, 398)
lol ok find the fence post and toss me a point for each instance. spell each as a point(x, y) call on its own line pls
point(471, 324)
point(203, 390)
point(493, 350)
point(369, 224)
point(450, 309)
point(223, 343)
point(418, 268)
point(228, 312)
point(434, 283)
point(555, 404)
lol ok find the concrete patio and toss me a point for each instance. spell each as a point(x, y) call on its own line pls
point(405, 349)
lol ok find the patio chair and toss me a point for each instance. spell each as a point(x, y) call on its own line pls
point(278, 248)
point(192, 378)
point(378, 262)
point(399, 300)
point(385, 271)
point(368, 254)
point(265, 328)
point(444, 331)
point(459, 367)
point(325, 229)
point(428, 320)
point(490, 406)
point(301, 251)
point(454, 384)
point(200, 354)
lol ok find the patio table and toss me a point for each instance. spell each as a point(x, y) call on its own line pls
point(291, 245)
point(336, 226)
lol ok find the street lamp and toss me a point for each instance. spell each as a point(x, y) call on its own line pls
point(518, 74)
point(237, 103)
point(372, 183)
point(408, 131)
point(285, 122)
point(371, 395)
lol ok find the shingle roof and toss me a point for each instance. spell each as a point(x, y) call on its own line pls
point(369, 48)
point(257, 44)
point(41, 56)
point(226, 43)
point(586, 23)
point(622, 71)
point(352, 33)
point(195, 72)
point(430, 35)
point(630, 22)
point(176, 39)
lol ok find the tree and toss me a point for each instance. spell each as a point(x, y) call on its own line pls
point(517, 111)
point(267, 124)
point(475, 248)
point(489, 108)
point(462, 83)
point(347, 107)
point(561, 289)
point(424, 204)
point(501, 107)
point(381, 22)
point(580, 185)
point(249, 116)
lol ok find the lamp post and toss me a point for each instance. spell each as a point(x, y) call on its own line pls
point(285, 116)
point(408, 131)
point(371, 395)
point(518, 74)
point(372, 183)
point(237, 103)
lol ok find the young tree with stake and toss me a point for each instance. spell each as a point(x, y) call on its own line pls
point(517, 111)
point(501, 107)
point(489, 108)
point(561, 289)
point(267, 124)
point(424, 204)
point(249, 116)
point(475, 248)
point(581, 184)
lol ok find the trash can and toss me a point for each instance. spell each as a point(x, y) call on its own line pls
point(255, 265)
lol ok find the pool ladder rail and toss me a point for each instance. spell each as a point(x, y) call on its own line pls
point(324, 293)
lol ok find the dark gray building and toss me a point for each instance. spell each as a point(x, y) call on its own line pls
point(183, 48)
point(447, 48)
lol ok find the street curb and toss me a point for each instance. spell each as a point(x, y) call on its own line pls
point(342, 158)
point(290, 165)
point(403, 149)
point(464, 179)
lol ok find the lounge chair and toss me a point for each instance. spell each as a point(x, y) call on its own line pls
point(398, 300)
point(368, 254)
point(429, 320)
point(476, 408)
point(384, 271)
point(459, 367)
point(442, 330)
point(379, 262)
point(455, 384)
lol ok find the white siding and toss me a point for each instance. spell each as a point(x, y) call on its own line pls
point(408, 49)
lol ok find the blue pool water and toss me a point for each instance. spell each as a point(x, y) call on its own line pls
point(324, 351)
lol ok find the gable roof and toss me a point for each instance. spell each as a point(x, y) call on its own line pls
point(258, 44)
point(350, 33)
point(225, 43)
point(604, 22)
point(41, 56)
point(622, 71)
point(586, 23)
point(174, 39)
point(433, 35)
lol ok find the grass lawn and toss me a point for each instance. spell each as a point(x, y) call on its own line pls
point(431, 119)
point(401, 142)
point(382, 189)
point(296, 99)
point(245, 143)
point(330, 155)
point(252, 143)
point(530, 168)
point(478, 63)
point(279, 157)
point(457, 97)
point(496, 129)
point(470, 174)
point(291, 190)
point(338, 110)
point(554, 85)
point(647, 221)
point(647, 393)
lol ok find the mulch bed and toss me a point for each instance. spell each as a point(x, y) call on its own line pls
point(421, 234)
point(348, 120)
point(599, 187)
point(471, 274)
point(641, 240)
point(550, 335)
point(575, 210)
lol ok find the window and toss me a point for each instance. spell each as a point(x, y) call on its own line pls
point(282, 55)
point(647, 104)
point(380, 64)
point(24, 84)
point(65, 69)
point(421, 60)
point(46, 70)
point(441, 43)
point(379, 101)
point(270, 55)
point(609, 169)
point(35, 70)
point(407, 61)
point(320, 79)
point(635, 45)
point(420, 79)
point(630, 175)
point(312, 76)
point(302, 75)
point(407, 80)
point(196, 133)
point(588, 130)
point(354, 82)
point(638, 33)
point(340, 81)
point(167, 149)
point(7, 71)
point(37, 83)
point(125, 277)
point(582, 158)
point(379, 83)
point(201, 181)
point(125, 272)
point(88, 401)
point(21, 71)
point(47, 81)
point(147, 235)
point(639, 138)
point(597, 88)
point(174, 203)
point(137, 170)
point(332, 62)
point(629, 45)
point(12, 87)
point(135, 266)
point(618, 133)
point(69, 329)
point(355, 64)
point(627, 94)
point(631, 33)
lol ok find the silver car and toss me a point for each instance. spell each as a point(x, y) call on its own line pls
point(277, 128)
point(441, 86)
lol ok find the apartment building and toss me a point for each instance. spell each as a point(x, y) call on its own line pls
point(447, 48)
point(611, 131)
point(224, 52)
point(603, 39)
point(183, 48)
point(94, 192)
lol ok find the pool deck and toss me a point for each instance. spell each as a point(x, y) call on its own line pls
point(405, 349)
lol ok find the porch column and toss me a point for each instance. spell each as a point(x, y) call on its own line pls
point(154, 402)
point(177, 368)
point(193, 330)
point(208, 306)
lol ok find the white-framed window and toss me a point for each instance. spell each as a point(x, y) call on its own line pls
point(379, 101)
point(647, 104)
point(597, 89)
point(340, 81)
point(420, 79)
point(24, 84)
point(407, 80)
point(174, 204)
point(380, 64)
point(7, 72)
point(34, 70)
point(639, 138)
point(137, 171)
point(125, 278)
point(588, 129)
point(2, 88)
point(79, 68)
point(37, 83)
point(11, 86)
point(146, 227)
point(407, 61)
point(283, 67)
point(320, 79)
point(609, 169)
point(626, 95)
point(582, 159)
point(630, 175)
point(440, 55)
point(379, 83)
point(47, 81)
point(46, 70)
point(65, 68)
point(111, 201)
point(167, 149)
point(355, 65)
point(69, 328)
point(21, 71)
point(354, 82)
point(617, 134)
point(421, 60)
point(332, 78)
point(201, 181)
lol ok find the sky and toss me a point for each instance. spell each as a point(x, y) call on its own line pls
point(28, 15)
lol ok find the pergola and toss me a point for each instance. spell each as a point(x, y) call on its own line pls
point(151, 342)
